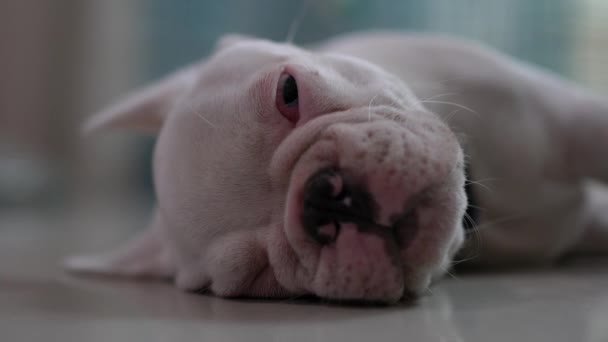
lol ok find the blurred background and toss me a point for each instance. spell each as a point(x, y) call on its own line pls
point(60, 61)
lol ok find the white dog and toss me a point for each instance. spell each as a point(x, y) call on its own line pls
point(341, 172)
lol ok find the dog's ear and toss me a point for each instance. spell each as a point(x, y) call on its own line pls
point(145, 109)
point(230, 39)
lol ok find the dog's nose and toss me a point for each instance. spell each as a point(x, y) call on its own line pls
point(330, 200)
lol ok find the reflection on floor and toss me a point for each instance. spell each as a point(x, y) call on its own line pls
point(39, 302)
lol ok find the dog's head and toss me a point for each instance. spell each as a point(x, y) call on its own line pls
point(281, 171)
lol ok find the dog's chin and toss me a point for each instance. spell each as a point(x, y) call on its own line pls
point(378, 281)
point(359, 279)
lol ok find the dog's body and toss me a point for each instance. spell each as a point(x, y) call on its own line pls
point(282, 172)
point(531, 139)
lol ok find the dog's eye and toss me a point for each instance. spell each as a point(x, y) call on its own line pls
point(287, 97)
point(290, 91)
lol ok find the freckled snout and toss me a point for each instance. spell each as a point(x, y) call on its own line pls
point(373, 208)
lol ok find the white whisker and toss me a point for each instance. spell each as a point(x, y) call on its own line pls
point(451, 104)
point(475, 231)
point(474, 225)
point(200, 115)
point(460, 261)
point(451, 114)
point(451, 275)
point(479, 182)
point(476, 207)
point(206, 120)
point(438, 96)
point(297, 21)
point(369, 108)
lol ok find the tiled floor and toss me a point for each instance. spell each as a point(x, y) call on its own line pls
point(39, 302)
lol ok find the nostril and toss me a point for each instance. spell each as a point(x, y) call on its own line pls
point(330, 200)
point(322, 194)
point(325, 184)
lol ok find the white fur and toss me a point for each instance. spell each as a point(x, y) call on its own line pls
point(229, 168)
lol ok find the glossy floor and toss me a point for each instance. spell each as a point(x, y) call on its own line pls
point(39, 302)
